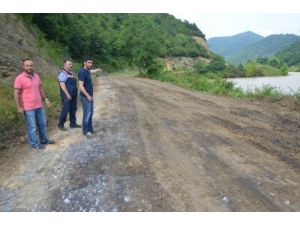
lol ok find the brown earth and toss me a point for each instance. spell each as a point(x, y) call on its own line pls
point(18, 42)
point(162, 148)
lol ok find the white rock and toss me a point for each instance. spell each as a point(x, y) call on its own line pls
point(287, 202)
point(67, 201)
point(126, 198)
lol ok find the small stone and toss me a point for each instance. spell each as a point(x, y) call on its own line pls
point(22, 139)
point(67, 201)
point(226, 200)
point(287, 202)
point(126, 199)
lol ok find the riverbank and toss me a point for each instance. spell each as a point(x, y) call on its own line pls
point(286, 85)
point(221, 86)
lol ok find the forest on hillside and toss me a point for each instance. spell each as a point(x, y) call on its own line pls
point(119, 40)
point(291, 54)
point(266, 47)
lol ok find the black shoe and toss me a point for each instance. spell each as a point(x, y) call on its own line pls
point(38, 147)
point(61, 127)
point(47, 142)
point(75, 126)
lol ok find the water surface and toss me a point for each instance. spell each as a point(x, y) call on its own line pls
point(286, 84)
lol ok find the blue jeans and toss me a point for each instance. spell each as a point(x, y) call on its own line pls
point(68, 106)
point(88, 110)
point(36, 120)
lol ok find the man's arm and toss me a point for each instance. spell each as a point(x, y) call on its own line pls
point(82, 89)
point(96, 70)
point(17, 93)
point(65, 90)
point(62, 78)
point(48, 103)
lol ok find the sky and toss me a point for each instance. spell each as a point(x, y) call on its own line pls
point(214, 18)
point(228, 24)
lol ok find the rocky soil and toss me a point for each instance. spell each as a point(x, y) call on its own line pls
point(162, 148)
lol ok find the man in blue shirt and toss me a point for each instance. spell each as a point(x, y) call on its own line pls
point(86, 96)
point(68, 94)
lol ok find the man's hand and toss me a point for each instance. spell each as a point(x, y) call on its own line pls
point(48, 103)
point(20, 110)
point(90, 99)
point(96, 70)
point(69, 97)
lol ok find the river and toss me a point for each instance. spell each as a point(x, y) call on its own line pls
point(286, 84)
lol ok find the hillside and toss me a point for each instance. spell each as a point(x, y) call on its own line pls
point(227, 46)
point(16, 43)
point(266, 47)
point(290, 54)
point(118, 40)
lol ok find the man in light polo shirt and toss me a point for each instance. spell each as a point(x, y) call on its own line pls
point(28, 97)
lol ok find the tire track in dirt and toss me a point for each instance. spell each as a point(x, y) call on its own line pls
point(162, 148)
point(262, 199)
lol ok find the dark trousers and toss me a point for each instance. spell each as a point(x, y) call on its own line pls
point(68, 106)
point(88, 110)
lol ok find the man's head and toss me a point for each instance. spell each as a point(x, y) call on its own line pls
point(67, 64)
point(87, 62)
point(27, 66)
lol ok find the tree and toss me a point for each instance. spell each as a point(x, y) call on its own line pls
point(275, 62)
point(232, 71)
point(131, 39)
point(262, 60)
point(200, 67)
point(141, 41)
point(284, 69)
point(217, 63)
point(240, 70)
point(251, 68)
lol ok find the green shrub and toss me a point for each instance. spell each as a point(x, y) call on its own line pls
point(275, 62)
point(56, 52)
point(200, 67)
point(217, 63)
point(51, 89)
point(201, 83)
point(11, 122)
point(266, 90)
point(218, 85)
point(284, 69)
point(297, 94)
point(253, 69)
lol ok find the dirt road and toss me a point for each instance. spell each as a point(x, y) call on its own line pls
point(162, 148)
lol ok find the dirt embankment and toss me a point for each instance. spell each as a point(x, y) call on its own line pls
point(18, 42)
point(162, 148)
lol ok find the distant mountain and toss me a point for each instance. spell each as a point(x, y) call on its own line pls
point(266, 47)
point(227, 46)
point(290, 54)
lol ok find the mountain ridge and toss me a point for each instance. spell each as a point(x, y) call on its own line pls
point(266, 47)
point(229, 45)
point(239, 48)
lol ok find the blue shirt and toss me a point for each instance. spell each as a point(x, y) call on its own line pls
point(67, 77)
point(62, 77)
point(85, 76)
